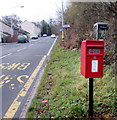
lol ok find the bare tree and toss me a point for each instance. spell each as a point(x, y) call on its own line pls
point(12, 19)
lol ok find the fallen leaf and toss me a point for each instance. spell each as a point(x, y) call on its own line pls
point(44, 101)
point(63, 108)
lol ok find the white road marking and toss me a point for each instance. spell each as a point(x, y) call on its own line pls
point(34, 40)
point(5, 55)
point(31, 45)
point(21, 49)
point(51, 47)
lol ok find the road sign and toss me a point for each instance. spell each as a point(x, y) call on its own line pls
point(61, 30)
point(66, 26)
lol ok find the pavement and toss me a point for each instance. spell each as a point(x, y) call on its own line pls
point(1, 44)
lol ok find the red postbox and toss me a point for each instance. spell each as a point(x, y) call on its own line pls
point(92, 58)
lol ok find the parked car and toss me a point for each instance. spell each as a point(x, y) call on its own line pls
point(44, 35)
point(34, 36)
point(22, 39)
point(53, 36)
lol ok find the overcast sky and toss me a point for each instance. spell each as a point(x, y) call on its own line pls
point(34, 10)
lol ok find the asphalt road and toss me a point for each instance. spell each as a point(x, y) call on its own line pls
point(21, 64)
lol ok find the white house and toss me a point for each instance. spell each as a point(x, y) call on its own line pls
point(31, 28)
point(5, 30)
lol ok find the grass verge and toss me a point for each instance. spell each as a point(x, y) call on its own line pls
point(63, 91)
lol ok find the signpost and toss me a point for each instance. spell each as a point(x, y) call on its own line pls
point(61, 30)
point(66, 26)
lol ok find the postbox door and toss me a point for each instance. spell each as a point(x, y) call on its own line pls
point(94, 62)
point(94, 66)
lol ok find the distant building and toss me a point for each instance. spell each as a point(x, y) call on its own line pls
point(5, 30)
point(8, 34)
point(31, 28)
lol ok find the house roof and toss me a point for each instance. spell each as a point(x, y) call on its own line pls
point(14, 28)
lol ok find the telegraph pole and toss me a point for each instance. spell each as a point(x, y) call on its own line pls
point(62, 22)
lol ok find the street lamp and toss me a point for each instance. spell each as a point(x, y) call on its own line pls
point(12, 32)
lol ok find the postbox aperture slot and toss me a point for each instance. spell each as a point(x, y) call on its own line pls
point(94, 51)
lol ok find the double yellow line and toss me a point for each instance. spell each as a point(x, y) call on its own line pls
point(16, 103)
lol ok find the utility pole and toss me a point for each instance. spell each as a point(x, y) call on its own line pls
point(62, 22)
